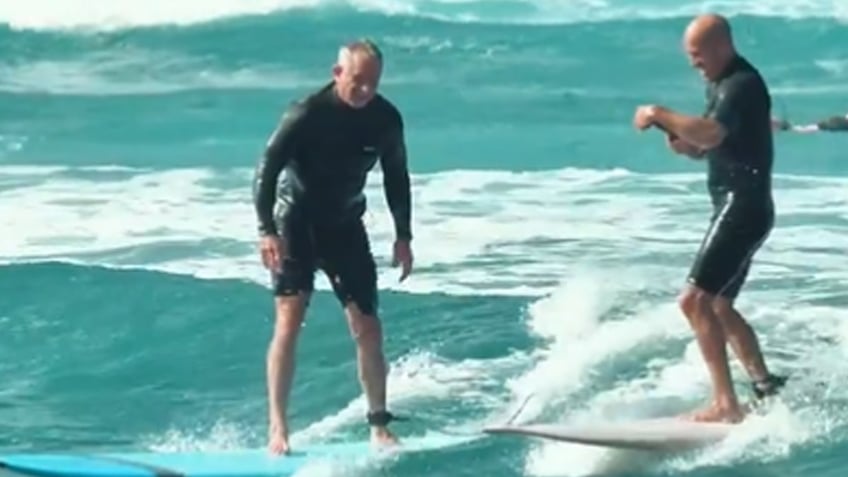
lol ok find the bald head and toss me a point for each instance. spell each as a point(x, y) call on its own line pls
point(710, 28)
point(708, 41)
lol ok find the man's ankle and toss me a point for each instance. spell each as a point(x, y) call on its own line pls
point(769, 386)
point(381, 418)
point(726, 402)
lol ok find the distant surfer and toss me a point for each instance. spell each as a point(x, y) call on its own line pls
point(735, 137)
point(831, 124)
point(325, 145)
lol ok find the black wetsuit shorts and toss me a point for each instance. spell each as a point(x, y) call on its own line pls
point(342, 251)
point(736, 232)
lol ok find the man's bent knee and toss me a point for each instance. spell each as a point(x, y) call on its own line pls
point(723, 307)
point(365, 328)
point(290, 311)
point(694, 299)
point(732, 322)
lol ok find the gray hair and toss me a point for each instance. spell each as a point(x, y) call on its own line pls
point(363, 46)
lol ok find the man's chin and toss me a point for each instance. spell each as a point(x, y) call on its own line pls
point(360, 103)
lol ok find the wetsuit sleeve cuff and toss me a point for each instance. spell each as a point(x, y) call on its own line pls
point(403, 233)
point(267, 229)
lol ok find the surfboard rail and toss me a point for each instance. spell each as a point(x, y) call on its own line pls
point(224, 463)
point(645, 434)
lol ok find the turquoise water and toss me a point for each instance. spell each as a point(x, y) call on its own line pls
point(551, 238)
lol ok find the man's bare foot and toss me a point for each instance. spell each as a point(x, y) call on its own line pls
point(383, 437)
point(716, 413)
point(278, 440)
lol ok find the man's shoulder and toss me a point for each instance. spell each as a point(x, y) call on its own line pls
point(387, 112)
point(746, 79)
point(307, 104)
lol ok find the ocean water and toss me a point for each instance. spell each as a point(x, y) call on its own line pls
point(551, 238)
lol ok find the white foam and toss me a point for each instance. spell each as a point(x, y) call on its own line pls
point(476, 232)
point(604, 251)
point(418, 376)
point(107, 15)
point(671, 382)
point(796, 337)
point(138, 71)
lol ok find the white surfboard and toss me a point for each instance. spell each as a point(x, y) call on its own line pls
point(647, 434)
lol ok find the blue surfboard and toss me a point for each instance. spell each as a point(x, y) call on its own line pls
point(236, 463)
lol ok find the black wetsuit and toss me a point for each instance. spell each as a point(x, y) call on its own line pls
point(739, 180)
point(326, 149)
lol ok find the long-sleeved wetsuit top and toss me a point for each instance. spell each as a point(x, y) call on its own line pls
point(325, 150)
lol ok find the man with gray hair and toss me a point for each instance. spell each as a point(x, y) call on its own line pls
point(324, 146)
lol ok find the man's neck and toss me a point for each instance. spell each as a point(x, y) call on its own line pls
point(730, 60)
point(337, 99)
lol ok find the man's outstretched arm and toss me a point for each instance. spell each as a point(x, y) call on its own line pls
point(278, 152)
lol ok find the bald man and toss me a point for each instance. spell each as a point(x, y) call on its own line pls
point(735, 137)
point(326, 144)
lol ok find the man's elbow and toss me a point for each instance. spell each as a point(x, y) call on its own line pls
point(712, 136)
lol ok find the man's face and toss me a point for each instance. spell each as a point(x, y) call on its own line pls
point(703, 56)
point(357, 78)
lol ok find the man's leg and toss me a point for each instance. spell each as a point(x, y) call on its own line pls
point(290, 311)
point(292, 288)
point(746, 347)
point(352, 271)
point(718, 261)
point(738, 332)
point(742, 338)
point(696, 305)
point(371, 366)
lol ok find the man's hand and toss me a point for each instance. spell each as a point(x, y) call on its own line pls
point(644, 117)
point(272, 249)
point(679, 146)
point(676, 144)
point(402, 256)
